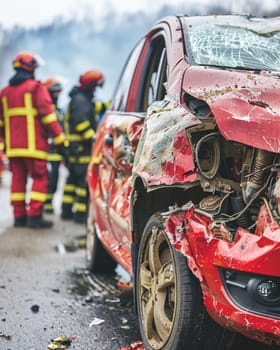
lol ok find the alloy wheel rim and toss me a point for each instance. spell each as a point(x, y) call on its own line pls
point(157, 288)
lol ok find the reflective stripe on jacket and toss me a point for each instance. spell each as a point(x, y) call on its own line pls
point(27, 119)
point(78, 125)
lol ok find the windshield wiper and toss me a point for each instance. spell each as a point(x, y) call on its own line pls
point(234, 67)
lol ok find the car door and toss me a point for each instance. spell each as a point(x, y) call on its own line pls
point(122, 137)
point(147, 86)
point(112, 159)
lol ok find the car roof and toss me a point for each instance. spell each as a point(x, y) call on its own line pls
point(257, 24)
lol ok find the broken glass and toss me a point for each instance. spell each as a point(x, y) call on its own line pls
point(234, 46)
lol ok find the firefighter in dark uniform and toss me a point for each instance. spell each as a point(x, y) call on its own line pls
point(54, 159)
point(27, 119)
point(80, 123)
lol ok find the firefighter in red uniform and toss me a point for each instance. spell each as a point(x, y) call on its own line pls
point(80, 123)
point(54, 159)
point(27, 119)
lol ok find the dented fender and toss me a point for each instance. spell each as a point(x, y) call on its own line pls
point(190, 234)
point(164, 155)
point(245, 106)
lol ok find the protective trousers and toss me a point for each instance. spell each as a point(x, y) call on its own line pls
point(75, 196)
point(31, 204)
point(53, 174)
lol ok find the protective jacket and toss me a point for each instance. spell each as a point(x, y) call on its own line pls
point(79, 125)
point(27, 119)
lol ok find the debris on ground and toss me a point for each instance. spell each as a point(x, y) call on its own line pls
point(123, 274)
point(125, 285)
point(78, 242)
point(136, 345)
point(61, 342)
point(124, 320)
point(81, 241)
point(95, 322)
point(7, 337)
point(125, 327)
point(113, 300)
point(60, 248)
point(35, 308)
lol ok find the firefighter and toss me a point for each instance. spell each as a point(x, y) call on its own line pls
point(27, 118)
point(54, 159)
point(80, 123)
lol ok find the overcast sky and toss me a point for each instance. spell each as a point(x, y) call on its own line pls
point(33, 13)
point(37, 12)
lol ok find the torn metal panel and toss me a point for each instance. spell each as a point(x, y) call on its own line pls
point(256, 255)
point(164, 154)
point(246, 107)
point(193, 235)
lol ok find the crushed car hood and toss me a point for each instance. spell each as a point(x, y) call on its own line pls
point(246, 106)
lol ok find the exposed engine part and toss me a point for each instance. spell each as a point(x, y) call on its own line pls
point(274, 200)
point(239, 179)
point(208, 155)
point(268, 209)
point(210, 203)
point(259, 170)
point(238, 205)
point(213, 203)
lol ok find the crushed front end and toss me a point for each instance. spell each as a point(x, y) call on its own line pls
point(231, 234)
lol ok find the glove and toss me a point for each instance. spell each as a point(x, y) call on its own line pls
point(63, 150)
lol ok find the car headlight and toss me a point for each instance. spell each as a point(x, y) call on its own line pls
point(265, 291)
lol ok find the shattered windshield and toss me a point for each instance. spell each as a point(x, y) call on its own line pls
point(234, 47)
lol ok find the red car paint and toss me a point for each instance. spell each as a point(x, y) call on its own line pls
point(221, 153)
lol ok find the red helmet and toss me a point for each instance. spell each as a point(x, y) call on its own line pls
point(53, 84)
point(26, 61)
point(91, 79)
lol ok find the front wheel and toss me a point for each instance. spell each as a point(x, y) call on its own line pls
point(169, 299)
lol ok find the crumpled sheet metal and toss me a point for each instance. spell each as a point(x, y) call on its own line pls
point(164, 155)
point(190, 234)
point(245, 106)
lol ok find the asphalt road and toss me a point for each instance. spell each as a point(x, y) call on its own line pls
point(45, 290)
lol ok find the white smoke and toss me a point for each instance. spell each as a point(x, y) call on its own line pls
point(34, 13)
point(75, 35)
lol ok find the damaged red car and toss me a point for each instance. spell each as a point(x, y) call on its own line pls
point(184, 182)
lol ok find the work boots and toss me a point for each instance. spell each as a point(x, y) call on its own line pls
point(38, 222)
point(20, 222)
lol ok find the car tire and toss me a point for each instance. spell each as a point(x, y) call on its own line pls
point(98, 259)
point(169, 299)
